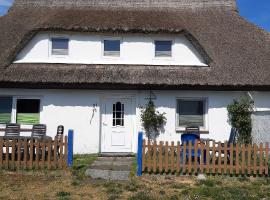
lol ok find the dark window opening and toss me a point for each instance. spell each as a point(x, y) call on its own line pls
point(111, 47)
point(190, 113)
point(5, 109)
point(118, 114)
point(163, 48)
point(28, 111)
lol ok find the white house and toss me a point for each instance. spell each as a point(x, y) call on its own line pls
point(91, 65)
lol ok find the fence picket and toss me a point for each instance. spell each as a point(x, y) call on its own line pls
point(55, 152)
point(65, 151)
point(207, 157)
point(189, 157)
point(184, 157)
point(155, 157)
point(243, 153)
point(143, 156)
point(31, 154)
point(231, 158)
point(160, 167)
point(261, 159)
point(225, 157)
point(25, 153)
point(43, 146)
point(49, 158)
point(60, 161)
point(166, 158)
point(249, 159)
point(1, 154)
point(214, 157)
point(196, 157)
point(149, 150)
point(202, 158)
point(254, 159)
point(172, 157)
point(219, 157)
point(178, 158)
point(7, 154)
point(19, 153)
point(37, 145)
point(237, 159)
point(266, 158)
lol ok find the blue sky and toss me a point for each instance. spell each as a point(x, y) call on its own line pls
point(255, 11)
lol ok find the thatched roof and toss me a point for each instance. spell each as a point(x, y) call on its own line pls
point(238, 52)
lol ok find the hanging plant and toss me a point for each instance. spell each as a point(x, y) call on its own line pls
point(239, 113)
point(152, 121)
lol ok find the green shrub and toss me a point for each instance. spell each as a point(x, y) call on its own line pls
point(239, 113)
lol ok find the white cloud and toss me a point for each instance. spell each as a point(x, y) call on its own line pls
point(6, 3)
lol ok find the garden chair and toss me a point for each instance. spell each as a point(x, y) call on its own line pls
point(232, 140)
point(12, 130)
point(39, 131)
point(59, 136)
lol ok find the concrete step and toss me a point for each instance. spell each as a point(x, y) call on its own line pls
point(113, 175)
point(116, 154)
point(110, 168)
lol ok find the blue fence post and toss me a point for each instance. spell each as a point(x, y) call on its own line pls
point(139, 154)
point(70, 148)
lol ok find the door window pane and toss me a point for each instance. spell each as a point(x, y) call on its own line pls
point(190, 113)
point(111, 47)
point(60, 46)
point(163, 48)
point(28, 111)
point(118, 114)
point(5, 109)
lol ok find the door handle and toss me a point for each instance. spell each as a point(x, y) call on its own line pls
point(104, 124)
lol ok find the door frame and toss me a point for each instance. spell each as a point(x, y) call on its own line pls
point(133, 118)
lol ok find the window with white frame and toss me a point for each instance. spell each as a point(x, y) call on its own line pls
point(5, 110)
point(60, 46)
point(112, 48)
point(191, 112)
point(26, 110)
point(163, 48)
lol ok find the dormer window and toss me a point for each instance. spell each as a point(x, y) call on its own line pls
point(163, 48)
point(60, 46)
point(112, 48)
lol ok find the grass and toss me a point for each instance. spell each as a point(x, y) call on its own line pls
point(72, 184)
point(80, 164)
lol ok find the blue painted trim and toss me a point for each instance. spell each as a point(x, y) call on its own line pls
point(70, 148)
point(139, 154)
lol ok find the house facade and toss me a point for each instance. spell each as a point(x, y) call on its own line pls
point(93, 65)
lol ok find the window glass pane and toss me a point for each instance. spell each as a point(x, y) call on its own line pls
point(118, 114)
point(60, 46)
point(163, 48)
point(191, 113)
point(28, 111)
point(5, 109)
point(111, 47)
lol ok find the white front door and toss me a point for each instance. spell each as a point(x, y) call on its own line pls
point(117, 128)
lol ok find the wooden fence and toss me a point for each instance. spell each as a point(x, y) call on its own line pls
point(208, 157)
point(25, 153)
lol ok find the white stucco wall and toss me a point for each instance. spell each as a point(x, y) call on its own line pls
point(88, 49)
point(74, 108)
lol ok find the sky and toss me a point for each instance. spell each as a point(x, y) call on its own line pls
point(255, 11)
